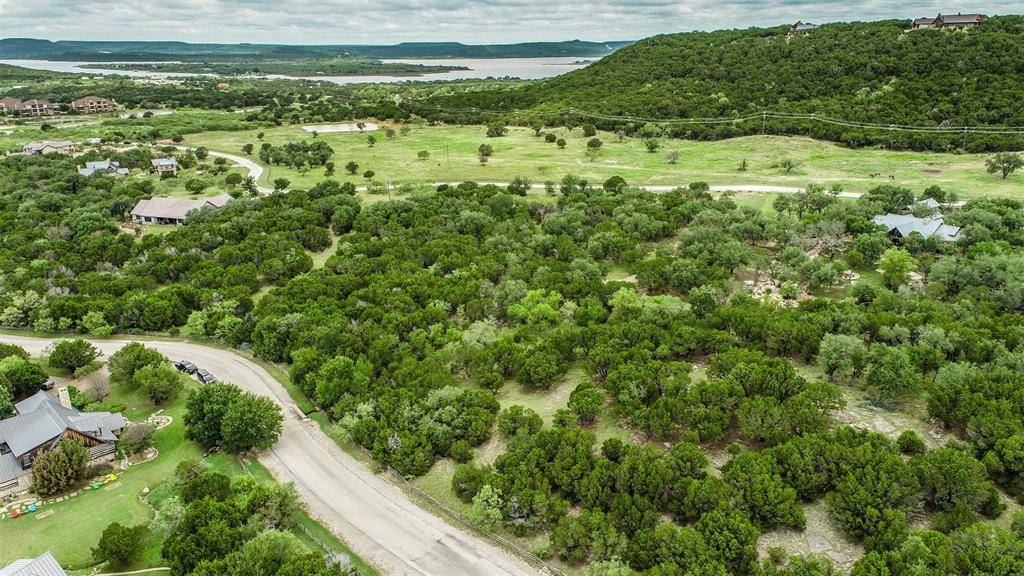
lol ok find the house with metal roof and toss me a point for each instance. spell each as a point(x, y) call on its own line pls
point(801, 28)
point(103, 167)
point(45, 565)
point(899, 226)
point(49, 147)
point(165, 165)
point(39, 423)
point(172, 211)
point(950, 21)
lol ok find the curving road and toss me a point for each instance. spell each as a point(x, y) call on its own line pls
point(374, 517)
point(255, 170)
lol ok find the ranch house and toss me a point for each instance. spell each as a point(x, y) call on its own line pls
point(41, 421)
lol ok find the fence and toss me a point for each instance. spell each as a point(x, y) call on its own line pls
point(496, 538)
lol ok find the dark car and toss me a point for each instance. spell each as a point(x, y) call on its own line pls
point(186, 366)
point(205, 377)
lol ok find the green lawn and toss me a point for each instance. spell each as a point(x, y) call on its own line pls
point(453, 157)
point(71, 528)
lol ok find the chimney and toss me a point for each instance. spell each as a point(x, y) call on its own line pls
point(64, 396)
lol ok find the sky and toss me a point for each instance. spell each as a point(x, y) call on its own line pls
point(469, 21)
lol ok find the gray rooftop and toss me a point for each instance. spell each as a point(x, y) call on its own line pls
point(107, 166)
point(176, 208)
point(45, 565)
point(164, 162)
point(906, 225)
point(41, 419)
point(961, 18)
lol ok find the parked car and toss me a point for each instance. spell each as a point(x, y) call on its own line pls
point(205, 377)
point(186, 366)
point(49, 384)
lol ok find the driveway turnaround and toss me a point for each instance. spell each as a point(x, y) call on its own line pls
point(374, 517)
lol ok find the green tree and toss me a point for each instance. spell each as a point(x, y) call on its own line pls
point(423, 155)
point(1005, 163)
point(58, 470)
point(841, 354)
point(371, 140)
point(131, 358)
point(159, 382)
point(352, 167)
point(195, 185)
point(247, 149)
point(281, 184)
point(119, 545)
point(205, 410)
point(896, 264)
point(890, 373)
point(251, 423)
point(72, 354)
point(486, 509)
point(496, 128)
point(517, 420)
point(95, 324)
point(21, 377)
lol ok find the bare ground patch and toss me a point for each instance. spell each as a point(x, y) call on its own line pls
point(821, 537)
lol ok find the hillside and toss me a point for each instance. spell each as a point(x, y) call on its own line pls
point(878, 72)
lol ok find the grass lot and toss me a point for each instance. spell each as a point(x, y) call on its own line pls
point(453, 157)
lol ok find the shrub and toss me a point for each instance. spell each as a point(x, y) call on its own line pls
point(119, 545)
point(73, 354)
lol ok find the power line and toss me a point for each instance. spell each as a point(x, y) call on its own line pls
point(763, 116)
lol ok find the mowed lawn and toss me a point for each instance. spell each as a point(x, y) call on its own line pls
point(454, 157)
point(71, 528)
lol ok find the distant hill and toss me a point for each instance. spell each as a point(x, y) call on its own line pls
point(99, 51)
point(877, 72)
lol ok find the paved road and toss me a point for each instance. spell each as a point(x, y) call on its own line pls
point(255, 170)
point(375, 518)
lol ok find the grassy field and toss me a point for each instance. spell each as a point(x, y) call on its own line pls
point(453, 157)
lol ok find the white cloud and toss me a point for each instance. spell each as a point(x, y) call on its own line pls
point(391, 21)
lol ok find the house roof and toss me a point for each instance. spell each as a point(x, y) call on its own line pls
point(175, 208)
point(929, 202)
point(219, 200)
point(45, 565)
point(961, 18)
point(37, 102)
point(164, 162)
point(41, 418)
point(37, 146)
point(906, 225)
point(88, 99)
point(102, 166)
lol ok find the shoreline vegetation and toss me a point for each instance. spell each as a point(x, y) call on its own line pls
point(297, 67)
